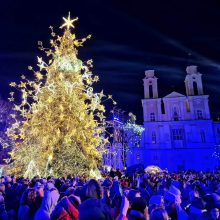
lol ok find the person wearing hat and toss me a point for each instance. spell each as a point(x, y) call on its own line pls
point(172, 199)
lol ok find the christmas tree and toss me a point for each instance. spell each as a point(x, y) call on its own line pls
point(59, 123)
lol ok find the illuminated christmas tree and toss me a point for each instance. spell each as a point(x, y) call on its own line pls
point(60, 123)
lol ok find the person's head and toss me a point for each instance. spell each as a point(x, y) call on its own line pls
point(138, 204)
point(39, 189)
point(159, 214)
point(2, 200)
point(50, 199)
point(176, 192)
point(132, 194)
point(156, 201)
point(193, 194)
point(91, 189)
point(75, 200)
point(170, 205)
point(2, 188)
point(107, 183)
point(8, 179)
point(28, 197)
point(94, 209)
point(214, 213)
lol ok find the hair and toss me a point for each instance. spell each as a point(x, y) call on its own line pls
point(159, 214)
point(28, 197)
point(94, 209)
point(91, 190)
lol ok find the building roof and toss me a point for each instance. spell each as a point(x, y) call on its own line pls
point(174, 95)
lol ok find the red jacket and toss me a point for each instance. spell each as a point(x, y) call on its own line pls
point(65, 210)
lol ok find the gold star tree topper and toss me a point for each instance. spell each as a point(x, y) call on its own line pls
point(68, 22)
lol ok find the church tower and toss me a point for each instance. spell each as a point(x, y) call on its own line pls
point(198, 102)
point(151, 108)
point(193, 81)
point(150, 85)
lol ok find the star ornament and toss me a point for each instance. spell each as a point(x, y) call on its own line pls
point(68, 22)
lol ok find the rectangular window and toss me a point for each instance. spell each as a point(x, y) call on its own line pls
point(177, 134)
point(152, 117)
point(199, 114)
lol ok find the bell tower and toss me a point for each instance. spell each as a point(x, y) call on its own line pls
point(150, 85)
point(193, 81)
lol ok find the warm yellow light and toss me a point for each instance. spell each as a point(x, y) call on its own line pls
point(68, 22)
point(59, 123)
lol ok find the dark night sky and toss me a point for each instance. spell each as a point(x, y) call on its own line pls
point(128, 38)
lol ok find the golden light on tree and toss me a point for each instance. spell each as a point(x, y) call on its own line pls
point(59, 123)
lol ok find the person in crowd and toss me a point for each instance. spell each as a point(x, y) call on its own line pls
point(27, 207)
point(138, 209)
point(155, 201)
point(173, 201)
point(3, 213)
point(66, 209)
point(39, 187)
point(159, 214)
point(91, 189)
point(50, 199)
point(187, 195)
point(94, 209)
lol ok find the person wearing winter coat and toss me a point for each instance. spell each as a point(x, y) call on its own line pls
point(50, 199)
point(3, 213)
point(66, 209)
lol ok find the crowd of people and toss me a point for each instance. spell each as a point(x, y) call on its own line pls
point(149, 196)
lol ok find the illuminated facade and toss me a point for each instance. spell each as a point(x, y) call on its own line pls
point(179, 133)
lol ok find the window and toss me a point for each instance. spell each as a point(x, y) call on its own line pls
point(177, 134)
point(218, 130)
point(175, 115)
point(162, 107)
point(199, 114)
point(150, 91)
point(152, 117)
point(138, 157)
point(202, 135)
point(154, 137)
point(195, 88)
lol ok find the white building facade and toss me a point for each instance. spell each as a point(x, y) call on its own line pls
point(179, 132)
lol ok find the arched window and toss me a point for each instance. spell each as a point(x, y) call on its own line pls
point(150, 91)
point(162, 107)
point(202, 135)
point(195, 88)
point(175, 115)
point(154, 139)
point(152, 116)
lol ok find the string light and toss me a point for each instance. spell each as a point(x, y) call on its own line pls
point(60, 121)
